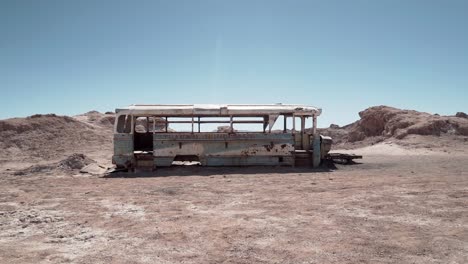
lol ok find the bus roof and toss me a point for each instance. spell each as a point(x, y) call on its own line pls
point(219, 110)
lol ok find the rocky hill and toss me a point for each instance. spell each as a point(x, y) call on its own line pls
point(383, 122)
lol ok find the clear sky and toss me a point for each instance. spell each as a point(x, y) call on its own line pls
point(69, 57)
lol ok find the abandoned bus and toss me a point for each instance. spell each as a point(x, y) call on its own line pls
point(151, 136)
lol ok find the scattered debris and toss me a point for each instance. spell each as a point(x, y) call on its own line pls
point(75, 162)
point(94, 169)
point(343, 158)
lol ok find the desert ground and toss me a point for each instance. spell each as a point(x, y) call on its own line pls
point(406, 201)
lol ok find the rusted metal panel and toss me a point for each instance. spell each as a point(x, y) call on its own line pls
point(316, 155)
point(123, 160)
point(325, 145)
point(163, 161)
point(144, 162)
point(123, 150)
point(249, 161)
point(219, 148)
point(123, 143)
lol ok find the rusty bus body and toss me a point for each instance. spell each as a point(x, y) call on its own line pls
point(143, 137)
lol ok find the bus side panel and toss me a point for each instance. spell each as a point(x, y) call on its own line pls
point(123, 150)
point(249, 161)
point(223, 149)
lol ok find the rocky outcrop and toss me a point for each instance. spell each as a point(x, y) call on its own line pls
point(461, 114)
point(386, 122)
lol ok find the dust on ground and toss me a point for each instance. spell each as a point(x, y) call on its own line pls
point(405, 202)
point(387, 209)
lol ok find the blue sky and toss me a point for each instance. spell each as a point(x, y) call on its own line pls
point(69, 57)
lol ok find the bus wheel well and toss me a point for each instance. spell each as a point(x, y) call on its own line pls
point(187, 158)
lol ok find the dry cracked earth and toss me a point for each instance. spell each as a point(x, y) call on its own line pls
point(398, 208)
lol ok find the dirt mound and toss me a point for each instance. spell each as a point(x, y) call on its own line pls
point(73, 162)
point(107, 121)
point(45, 137)
point(98, 119)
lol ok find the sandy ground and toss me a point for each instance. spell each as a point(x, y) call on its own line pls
point(406, 207)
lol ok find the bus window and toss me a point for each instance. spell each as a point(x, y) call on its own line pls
point(124, 124)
